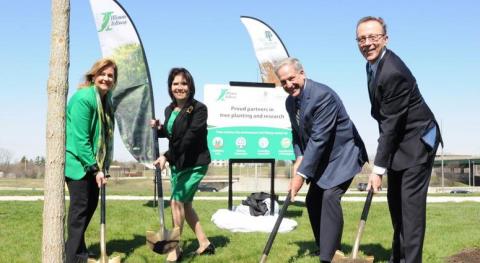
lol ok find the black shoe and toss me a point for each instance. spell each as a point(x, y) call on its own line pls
point(315, 253)
point(210, 250)
point(92, 255)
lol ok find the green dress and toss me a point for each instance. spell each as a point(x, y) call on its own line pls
point(184, 182)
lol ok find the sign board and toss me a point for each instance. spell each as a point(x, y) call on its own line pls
point(248, 122)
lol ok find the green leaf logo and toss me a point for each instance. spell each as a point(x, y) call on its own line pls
point(106, 22)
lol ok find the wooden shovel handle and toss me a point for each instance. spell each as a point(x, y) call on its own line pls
point(361, 225)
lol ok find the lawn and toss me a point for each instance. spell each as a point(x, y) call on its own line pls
point(144, 187)
point(450, 228)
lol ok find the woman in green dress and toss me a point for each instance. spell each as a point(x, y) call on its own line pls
point(89, 144)
point(186, 129)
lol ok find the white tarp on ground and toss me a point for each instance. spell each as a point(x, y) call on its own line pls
point(237, 221)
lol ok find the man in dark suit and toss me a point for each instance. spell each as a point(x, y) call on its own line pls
point(408, 140)
point(329, 152)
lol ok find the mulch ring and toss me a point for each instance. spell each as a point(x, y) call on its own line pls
point(469, 255)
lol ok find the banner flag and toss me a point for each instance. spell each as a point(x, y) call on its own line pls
point(133, 95)
point(269, 48)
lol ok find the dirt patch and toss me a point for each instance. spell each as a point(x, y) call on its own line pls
point(470, 255)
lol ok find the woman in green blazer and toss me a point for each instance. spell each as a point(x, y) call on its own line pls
point(89, 147)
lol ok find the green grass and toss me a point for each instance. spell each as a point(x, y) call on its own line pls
point(450, 228)
point(142, 187)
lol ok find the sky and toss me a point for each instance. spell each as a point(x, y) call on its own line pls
point(439, 41)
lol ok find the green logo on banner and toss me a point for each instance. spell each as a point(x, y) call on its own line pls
point(268, 35)
point(106, 22)
point(221, 97)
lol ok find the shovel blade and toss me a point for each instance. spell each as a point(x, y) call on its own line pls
point(117, 259)
point(162, 242)
point(340, 257)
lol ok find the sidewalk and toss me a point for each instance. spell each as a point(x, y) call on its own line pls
point(430, 199)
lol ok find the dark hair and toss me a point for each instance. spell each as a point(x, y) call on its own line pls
point(188, 78)
point(373, 18)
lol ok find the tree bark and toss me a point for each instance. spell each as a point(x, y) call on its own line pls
point(53, 242)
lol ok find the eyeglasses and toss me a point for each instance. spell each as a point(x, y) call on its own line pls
point(372, 38)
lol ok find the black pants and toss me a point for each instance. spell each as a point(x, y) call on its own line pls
point(83, 202)
point(326, 217)
point(407, 201)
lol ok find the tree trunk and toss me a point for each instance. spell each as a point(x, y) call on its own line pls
point(53, 242)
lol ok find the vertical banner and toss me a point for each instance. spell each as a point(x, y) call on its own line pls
point(269, 48)
point(133, 96)
point(247, 122)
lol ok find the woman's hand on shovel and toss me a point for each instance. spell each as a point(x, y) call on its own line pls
point(101, 179)
point(160, 162)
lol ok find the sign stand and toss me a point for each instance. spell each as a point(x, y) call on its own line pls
point(272, 177)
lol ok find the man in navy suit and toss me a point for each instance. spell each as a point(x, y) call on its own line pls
point(409, 137)
point(328, 149)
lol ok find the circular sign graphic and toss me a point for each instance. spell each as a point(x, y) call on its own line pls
point(285, 142)
point(241, 142)
point(217, 142)
point(263, 142)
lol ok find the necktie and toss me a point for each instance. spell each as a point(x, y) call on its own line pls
point(369, 74)
point(297, 111)
point(370, 80)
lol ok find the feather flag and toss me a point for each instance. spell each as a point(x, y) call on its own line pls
point(269, 48)
point(133, 95)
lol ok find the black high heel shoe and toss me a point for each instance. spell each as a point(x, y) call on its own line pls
point(210, 250)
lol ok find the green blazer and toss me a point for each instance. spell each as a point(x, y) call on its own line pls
point(82, 133)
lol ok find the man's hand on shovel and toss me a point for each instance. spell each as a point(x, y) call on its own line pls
point(295, 184)
point(375, 182)
point(297, 181)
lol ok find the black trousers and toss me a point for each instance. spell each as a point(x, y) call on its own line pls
point(326, 217)
point(407, 201)
point(83, 202)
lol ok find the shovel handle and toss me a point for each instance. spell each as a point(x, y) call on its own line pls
point(366, 207)
point(102, 204)
point(158, 180)
point(269, 244)
point(361, 225)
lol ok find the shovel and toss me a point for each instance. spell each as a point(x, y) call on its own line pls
point(103, 247)
point(269, 244)
point(163, 241)
point(361, 227)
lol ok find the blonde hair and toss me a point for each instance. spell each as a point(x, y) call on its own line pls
point(97, 68)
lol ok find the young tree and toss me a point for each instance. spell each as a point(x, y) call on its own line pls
point(57, 88)
point(5, 159)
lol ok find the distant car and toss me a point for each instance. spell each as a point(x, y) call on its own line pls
point(362, 186)
point(206, 188)
point(459, 191)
